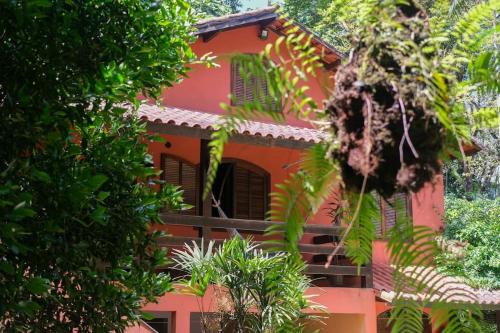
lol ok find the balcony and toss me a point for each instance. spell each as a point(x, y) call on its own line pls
point(315, 246)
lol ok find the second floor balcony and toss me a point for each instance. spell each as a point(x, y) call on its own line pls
point(317, 243)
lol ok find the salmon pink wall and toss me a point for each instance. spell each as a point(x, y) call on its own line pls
point(338, 323)
point(428, 205)
point(335, 300)
point(206, 88)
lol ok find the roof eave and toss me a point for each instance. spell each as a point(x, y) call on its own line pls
point(208, 28)
point(237, 22)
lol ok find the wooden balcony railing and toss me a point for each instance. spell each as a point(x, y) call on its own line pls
point(213, 228)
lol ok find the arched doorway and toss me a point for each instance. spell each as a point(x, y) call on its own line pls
point(242, 189)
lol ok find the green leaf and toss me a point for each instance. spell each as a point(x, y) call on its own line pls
point(41, 175)
point(28, 307)
point(6, 267)
point(102, 195)
point(95, 182)
point(147, 315)
point(38, 285)
point(99, 215)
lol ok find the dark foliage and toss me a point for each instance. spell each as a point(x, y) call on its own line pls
point(75, 197)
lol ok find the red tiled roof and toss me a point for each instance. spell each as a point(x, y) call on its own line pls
point(446, 286)
point(382, 277)
point(204, 120)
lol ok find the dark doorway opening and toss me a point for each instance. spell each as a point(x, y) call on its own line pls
point(223, 190)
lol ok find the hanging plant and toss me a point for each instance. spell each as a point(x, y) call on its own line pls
point(383, 110)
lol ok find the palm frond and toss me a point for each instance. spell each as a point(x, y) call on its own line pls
point(261, 291)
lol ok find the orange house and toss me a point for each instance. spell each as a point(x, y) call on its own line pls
point(255, 160)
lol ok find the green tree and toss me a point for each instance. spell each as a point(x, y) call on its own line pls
point(211, 8)
point(472, 239)
point(77, 188)
point(478, 175)
point(313, 14)
point(257, 291)
point(475, 224)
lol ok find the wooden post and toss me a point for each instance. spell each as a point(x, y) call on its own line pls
point(369, 276)
point(497, 317)
point(205, 207)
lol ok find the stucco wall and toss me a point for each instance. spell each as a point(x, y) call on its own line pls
point(354, 308)
point(338, 323)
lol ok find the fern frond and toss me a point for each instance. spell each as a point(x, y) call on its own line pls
point(286, 81)
point(485, 72)
point(406, 316)
point(358, 243)
point(301, 195)
point(417, 284)
point(468, 30)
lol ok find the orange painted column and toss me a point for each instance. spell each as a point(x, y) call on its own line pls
point(182, 320)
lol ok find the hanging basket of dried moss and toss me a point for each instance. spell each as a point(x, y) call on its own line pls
point(383, 108)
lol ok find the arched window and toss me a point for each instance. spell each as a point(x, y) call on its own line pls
point(179, 172)
point(383, 325)
point(242, 190)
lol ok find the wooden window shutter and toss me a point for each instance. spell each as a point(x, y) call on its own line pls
point(388, 212)
point(181, 173)
point(237, 84)
point(250, 194)
point(249, 88)
point(241, 193)
point(378, 224)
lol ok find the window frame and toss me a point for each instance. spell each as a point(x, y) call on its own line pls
point(160, 315)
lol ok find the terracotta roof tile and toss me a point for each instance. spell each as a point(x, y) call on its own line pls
point(204, 120)
point(446, 287)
